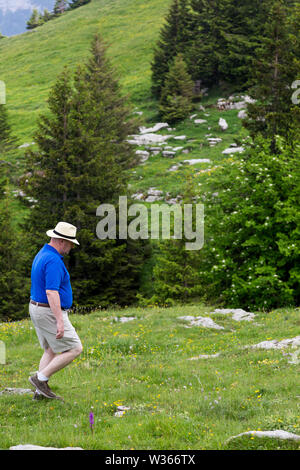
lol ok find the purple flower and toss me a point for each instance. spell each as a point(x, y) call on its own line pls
point(91, 421)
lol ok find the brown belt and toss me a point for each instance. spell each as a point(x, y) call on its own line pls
point(41, 304)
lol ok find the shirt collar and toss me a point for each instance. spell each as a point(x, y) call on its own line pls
point(53, 250)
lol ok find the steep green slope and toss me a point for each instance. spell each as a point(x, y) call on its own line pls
point(31, 61)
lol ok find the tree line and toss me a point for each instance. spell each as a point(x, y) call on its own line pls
point(251, 253)
point(60, 6)
point(219, 42)
point(82, 160)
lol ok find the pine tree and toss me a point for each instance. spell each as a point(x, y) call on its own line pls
point(35, 20)
point(14, 290)
point(78, 3)
point(177, 93)
point(83, 159)
point(176, 276)
point(46, 15)
point(7, 140)
point(275, 68)
point(60, 7)
point(174, 38)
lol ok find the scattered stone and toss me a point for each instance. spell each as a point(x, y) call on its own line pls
point(124, 319)
point(238, 313)
point(204, 356)
point(200, 121)
point(275, 344)
point(231, 150)
point(155, 192)
point(206, 322)
point(138, 196)
point(34, 447)
point(277, 434)
point(143, 154)
point(148, 139)
point(23, 146)
point(194, 161)
point(193, 116)
point(168, 153)
point(179, 137)
point(242, 114)
point(121, 410)
point(157, 127)
point(15, 391)
point(175, 167)
point(153, 198)
point(223, 124)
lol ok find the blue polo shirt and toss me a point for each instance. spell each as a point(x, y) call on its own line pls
point(49, 272)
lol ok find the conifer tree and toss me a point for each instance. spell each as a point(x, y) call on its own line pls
point(176, 276)
point(35, 20)
point(7, 140)
point(81, 163)
point(60, 7)
point(77, 3)
point(174, 37)
point(275, 69)
point(177, 92)
point(13, 284)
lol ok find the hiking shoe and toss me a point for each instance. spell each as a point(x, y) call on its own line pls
point(42, 387)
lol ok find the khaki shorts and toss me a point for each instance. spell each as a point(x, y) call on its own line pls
point(46, 329)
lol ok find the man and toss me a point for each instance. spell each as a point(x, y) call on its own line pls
point(51, 297)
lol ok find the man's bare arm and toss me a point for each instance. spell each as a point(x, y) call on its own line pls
point(54, 302)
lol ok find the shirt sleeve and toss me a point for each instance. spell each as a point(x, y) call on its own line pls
point(53, 275)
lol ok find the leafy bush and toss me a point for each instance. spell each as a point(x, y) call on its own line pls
point(251, 253)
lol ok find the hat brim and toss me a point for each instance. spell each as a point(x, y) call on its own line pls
point(51, 234)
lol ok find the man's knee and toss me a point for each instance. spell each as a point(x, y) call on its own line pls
point(78, 350)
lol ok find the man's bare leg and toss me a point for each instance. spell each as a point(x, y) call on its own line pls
point(60, 361)
point(46, 358)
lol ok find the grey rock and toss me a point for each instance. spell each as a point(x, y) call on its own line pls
point(194, 161)
point(238, 313)
point(34, 447)
point(276, 434)
point(15, 391)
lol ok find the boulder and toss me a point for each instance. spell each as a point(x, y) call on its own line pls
point(148, 139)
point(15, 391)
point(238, 313)
point(155, 128)
point(230, 150)
point(206, 322)
point(194, 161)
point(223, 124)
point(276, 434)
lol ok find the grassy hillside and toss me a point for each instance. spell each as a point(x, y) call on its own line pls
point(174, 399)
point(31, 61)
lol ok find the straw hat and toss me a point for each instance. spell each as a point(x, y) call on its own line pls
point(65, 231)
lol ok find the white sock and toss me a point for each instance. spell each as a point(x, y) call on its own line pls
point(42, 377)
point(37, 392)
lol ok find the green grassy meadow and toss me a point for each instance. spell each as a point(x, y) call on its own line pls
point(30, 62)
point(145, 365)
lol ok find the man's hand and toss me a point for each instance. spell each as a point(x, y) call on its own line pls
point(54, 302)
point(60, 329)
